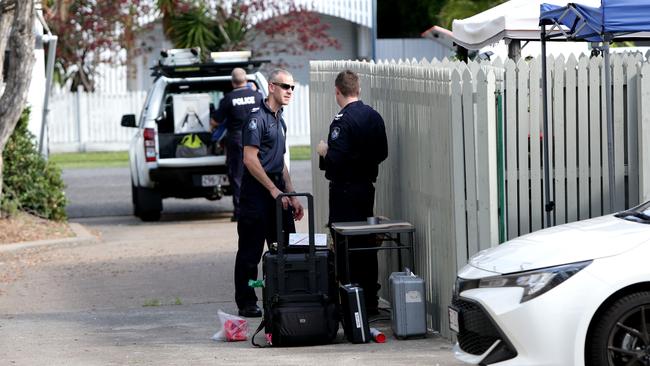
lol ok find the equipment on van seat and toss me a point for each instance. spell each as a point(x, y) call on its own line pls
point(180, 56)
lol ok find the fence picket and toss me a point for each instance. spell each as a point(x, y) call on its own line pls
point(571, 141)
point(583, 138)
point(559, 141)
point(470, 163)
point(644, 132)
point(619, 134)
point(523, 133)
point(595, 180)
point(536, 163)
point(510, 141)
point(632, 152)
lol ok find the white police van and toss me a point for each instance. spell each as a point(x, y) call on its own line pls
point(172, 153)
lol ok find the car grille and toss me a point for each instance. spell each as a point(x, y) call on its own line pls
point(477, 332)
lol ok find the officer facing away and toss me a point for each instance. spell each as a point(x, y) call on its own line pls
point(265, 177)
point(355, 147)
point(234, 109)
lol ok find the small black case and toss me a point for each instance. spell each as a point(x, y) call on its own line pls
point(355, 318)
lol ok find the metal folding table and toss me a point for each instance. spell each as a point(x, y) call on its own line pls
point(387, 230)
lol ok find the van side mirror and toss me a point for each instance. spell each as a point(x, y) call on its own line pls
point(128, 120)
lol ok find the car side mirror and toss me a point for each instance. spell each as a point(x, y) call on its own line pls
point(128, 120)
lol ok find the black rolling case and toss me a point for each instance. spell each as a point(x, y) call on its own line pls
point(299, 295)
point(353, 308)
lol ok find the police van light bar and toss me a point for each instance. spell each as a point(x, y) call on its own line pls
point(230, 56)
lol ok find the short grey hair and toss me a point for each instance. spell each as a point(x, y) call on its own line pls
point(273, 76)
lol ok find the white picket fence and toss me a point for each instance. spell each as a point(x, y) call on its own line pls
point(446, 123)
point(91, 121)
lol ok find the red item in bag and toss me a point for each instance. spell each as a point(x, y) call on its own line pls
point(235, 329)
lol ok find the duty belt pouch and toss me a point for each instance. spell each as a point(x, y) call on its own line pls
point(299, 295)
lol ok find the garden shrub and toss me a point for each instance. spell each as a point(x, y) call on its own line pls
point(31, 183)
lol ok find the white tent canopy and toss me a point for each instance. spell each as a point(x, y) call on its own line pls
point(514, 19)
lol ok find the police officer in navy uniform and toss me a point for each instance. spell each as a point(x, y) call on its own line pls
point(355, 147)
point(265, 177)
point(234, 109)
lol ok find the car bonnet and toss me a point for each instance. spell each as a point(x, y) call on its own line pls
point(575, 242)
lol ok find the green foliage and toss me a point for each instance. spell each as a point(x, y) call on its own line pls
point(194, 28)
point(406, 18)
point(31, 183)
point(461, 9)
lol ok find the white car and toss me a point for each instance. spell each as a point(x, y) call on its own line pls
point(574, 294)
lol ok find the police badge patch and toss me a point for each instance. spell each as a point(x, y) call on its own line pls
point(252, 125)
point(336, 131)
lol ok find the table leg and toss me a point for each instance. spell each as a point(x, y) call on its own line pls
point(347, 260)
point(412, 249)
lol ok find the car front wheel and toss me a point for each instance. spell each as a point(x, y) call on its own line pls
point(621, 335)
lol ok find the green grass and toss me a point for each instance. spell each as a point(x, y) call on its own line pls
point(151, 302)
point(121, 158)
point(300, 152)
point(91, 159)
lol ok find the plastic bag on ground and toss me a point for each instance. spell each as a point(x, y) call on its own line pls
point(232, 329)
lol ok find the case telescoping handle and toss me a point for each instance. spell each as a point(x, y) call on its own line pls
point(279, 220)
point(281, 244)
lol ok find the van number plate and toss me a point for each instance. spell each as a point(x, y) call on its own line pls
point(453, 319)
point(214, 180)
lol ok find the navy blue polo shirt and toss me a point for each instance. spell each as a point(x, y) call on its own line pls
point(235, 107)
point(357, 144)
point(268, 133)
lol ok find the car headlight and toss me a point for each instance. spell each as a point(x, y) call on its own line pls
point(534, 282)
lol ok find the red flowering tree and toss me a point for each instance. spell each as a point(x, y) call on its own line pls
point(92, 32)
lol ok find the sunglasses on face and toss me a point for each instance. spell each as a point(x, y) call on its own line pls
point(285, 86)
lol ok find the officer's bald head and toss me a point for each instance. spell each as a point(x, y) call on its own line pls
point(238, 76)
point(347, 82)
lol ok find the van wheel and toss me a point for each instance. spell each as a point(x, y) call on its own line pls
point(147, 203)
point(621, 335)
point(134, 197)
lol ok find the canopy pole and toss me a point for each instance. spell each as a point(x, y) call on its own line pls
point(550, 205)
point(610, 126)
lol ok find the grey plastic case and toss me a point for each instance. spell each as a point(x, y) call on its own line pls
point(407, 298)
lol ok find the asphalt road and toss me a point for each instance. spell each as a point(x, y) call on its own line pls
point(148, 293)
point(101, 192)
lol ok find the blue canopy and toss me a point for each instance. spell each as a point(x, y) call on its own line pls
point(613, 18)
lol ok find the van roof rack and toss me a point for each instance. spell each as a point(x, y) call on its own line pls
point(205, 69)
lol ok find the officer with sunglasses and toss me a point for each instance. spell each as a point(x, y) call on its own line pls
point(355, 147)
point(265, 177)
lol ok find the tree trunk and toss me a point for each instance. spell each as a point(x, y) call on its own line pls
point(19, 73)
point(6, 16)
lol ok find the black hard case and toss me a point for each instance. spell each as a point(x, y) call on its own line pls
point(299, 295)
point(355, 319)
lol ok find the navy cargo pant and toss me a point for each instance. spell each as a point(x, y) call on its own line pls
point(354, 201)
point(257, 224)
point(235, 163)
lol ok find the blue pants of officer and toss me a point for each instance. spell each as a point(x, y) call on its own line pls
point(257, 224)
point(235, 163)
point(354, 201)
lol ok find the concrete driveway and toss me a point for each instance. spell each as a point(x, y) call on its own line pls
point(149, 294)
